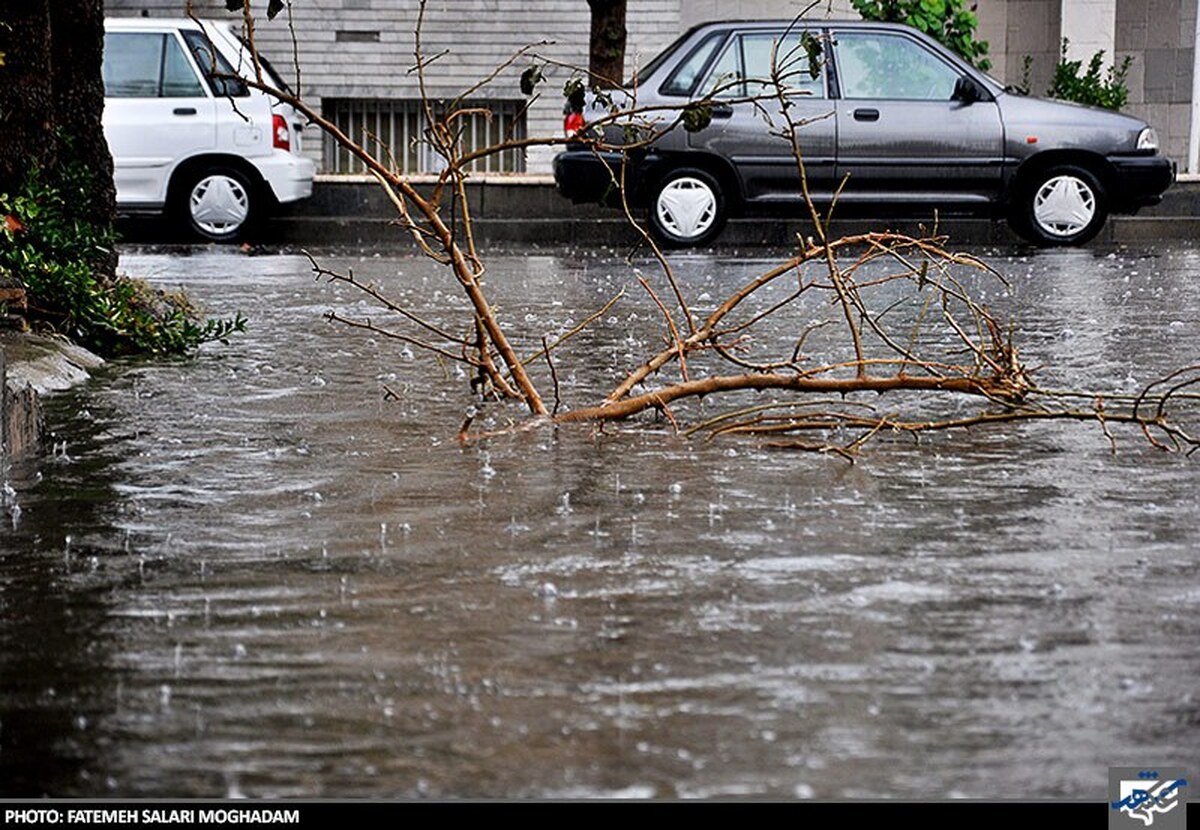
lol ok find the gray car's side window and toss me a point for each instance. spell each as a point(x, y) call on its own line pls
point(727, 78)
point(891, 66)
point(790, 61)
point(683, 79)
point(744, 69)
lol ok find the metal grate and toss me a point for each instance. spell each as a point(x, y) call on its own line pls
point(395, 131)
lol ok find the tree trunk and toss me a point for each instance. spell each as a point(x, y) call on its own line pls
point(77, 51)
point(26, 96)
point(606, 51)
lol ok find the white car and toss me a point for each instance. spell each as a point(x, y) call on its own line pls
point(190, 139)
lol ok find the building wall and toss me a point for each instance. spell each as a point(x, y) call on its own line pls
point(701, 11)
point(340, 56)
point(1160, 36)
point(1090, 26)
point(1026, 28)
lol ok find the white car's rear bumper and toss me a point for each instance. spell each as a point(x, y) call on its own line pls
point(290, 177)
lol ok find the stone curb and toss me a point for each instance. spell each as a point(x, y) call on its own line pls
point(32, 366)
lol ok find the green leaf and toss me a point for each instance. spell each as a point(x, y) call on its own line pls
point(575, 93)
point(274, 7)
point(697, 116)
point(604, 99)
point(235, 5)
point(813, 49)
point(530, 78)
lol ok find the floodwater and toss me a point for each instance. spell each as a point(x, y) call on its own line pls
point(250, 574)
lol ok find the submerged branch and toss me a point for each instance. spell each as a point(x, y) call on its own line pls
point(627, 407)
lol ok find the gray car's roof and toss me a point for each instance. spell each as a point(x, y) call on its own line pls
point(698, 31)
point(798, 23)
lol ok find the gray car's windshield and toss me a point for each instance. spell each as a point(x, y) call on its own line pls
point(662, 57)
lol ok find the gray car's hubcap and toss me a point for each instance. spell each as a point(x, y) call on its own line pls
point(687, 207)
point(1064, 206)
point(219, 204)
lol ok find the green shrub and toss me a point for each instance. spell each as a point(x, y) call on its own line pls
point(52, 252)
point(1092, 87)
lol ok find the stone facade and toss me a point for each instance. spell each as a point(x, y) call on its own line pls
point(1160, 35)
point(1020, 28)
point(363, 50)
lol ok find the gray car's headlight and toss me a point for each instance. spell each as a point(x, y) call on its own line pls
point(1147, 139)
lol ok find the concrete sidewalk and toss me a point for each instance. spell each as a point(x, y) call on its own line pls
point(526, 210)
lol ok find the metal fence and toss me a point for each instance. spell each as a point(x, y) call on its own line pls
point(396, 132)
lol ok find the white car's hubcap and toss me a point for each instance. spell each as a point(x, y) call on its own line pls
point(1064, 206)
point(219, 204)
point(687, 207)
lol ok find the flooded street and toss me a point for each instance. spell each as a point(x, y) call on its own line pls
point(248, 573)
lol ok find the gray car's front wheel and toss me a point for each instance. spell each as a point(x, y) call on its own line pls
point(1062, 205)
point(688, 208)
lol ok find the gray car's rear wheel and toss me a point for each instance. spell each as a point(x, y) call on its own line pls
point(1062, 205)
point(688, 207)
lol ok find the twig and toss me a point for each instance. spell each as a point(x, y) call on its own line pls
point(367, 325)
point(553, 376)
point(382, 299)
point(675, 338)
point(595, 315)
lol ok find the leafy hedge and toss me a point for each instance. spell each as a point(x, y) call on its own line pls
point(1091, 86)
point(53, 253)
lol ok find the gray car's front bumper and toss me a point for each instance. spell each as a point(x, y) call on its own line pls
point(1139, 181)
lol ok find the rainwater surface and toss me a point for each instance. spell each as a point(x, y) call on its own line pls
point(271, 570)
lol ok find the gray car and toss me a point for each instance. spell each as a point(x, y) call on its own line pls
point(884, 118)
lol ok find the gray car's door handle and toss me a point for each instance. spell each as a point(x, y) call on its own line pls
point(722, 111)
point(866, 115)
point(184, 111)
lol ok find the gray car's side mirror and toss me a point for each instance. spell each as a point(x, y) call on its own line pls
point(966, 90)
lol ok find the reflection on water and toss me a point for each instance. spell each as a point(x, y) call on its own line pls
point(249, 574)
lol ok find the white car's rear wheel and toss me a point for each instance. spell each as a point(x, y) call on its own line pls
point(217, 203)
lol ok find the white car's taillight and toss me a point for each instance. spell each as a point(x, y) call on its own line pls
point(1147, 139)
point(279, 129)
